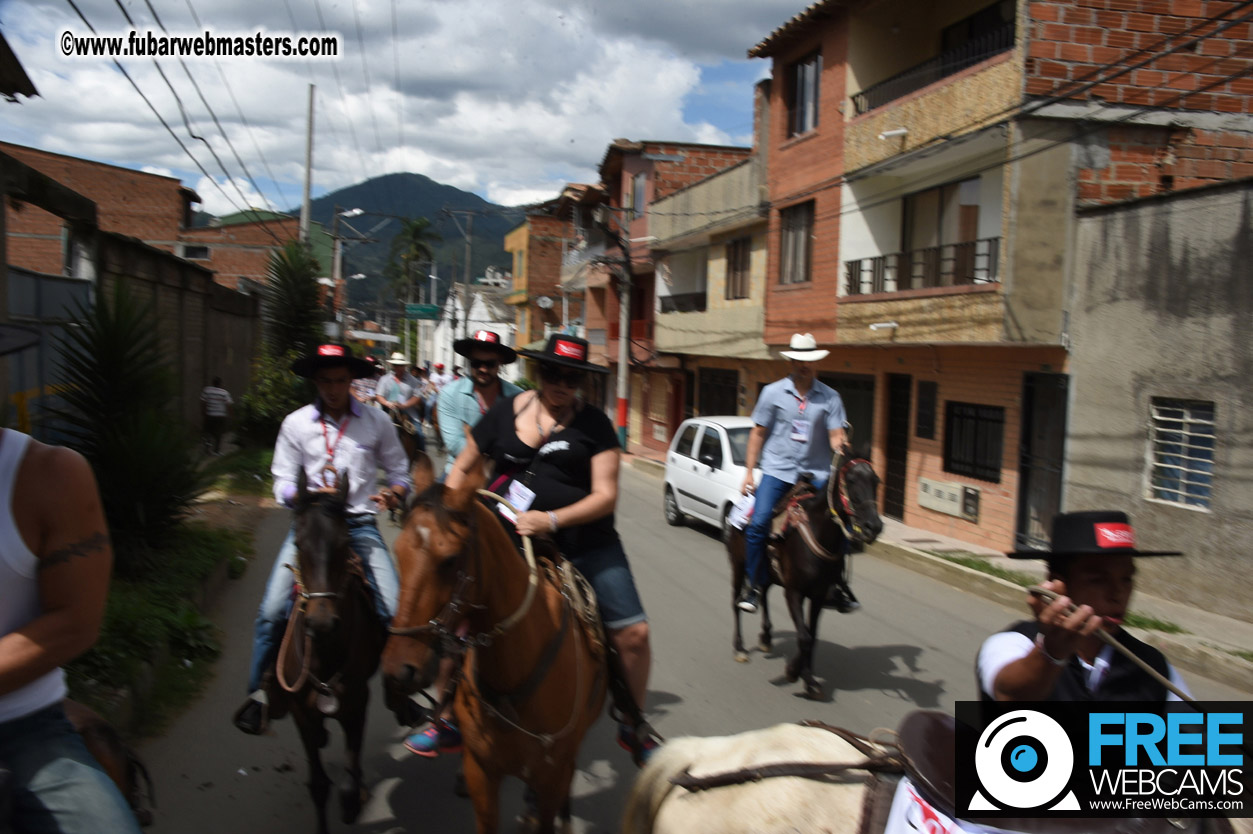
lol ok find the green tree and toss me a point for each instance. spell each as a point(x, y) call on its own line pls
point(412, 246)
point(117, 411)
point(293, 311)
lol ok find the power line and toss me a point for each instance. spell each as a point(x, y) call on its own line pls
point(243, 119)
point(352, 130)
point(163, 122)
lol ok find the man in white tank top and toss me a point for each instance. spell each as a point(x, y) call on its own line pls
point(55, 562)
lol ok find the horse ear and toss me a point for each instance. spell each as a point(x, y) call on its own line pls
point(423, 473)
point(302, 485)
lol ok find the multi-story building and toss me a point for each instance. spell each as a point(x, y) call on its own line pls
point(238, 247)
point(709, 255)
point(635, 174)
point(538, 244)
point(926, 164)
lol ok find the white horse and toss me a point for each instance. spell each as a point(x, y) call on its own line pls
point(782, 804)
point(839, 794)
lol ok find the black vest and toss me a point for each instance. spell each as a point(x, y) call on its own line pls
point(1123, 681)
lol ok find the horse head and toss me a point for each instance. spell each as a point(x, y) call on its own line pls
point(435, 558)
point(856, 489)
point(323, 554)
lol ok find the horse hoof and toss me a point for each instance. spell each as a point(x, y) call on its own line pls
point(791, 676)
point(351, 801)
point(764, 646)
point(741, 656)
point(813, 692)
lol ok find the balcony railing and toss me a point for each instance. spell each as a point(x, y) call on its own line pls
point(640, 329)
point(688, 302)
point(929, 72)
point(950, 265)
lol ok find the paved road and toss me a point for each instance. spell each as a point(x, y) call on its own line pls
point(911, 646)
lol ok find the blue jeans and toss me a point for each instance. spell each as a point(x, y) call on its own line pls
point(607, 571)
point(58, 788)
point(367, 542)
point(769, 491)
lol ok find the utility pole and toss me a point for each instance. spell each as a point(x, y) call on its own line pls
point(305, 205)
point(466, 232)
point(624, 328)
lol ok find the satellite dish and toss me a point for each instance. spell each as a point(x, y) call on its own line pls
point(544, 302)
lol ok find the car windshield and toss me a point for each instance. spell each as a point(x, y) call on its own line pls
point(738, 438)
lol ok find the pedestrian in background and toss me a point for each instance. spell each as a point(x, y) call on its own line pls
point(215, 406)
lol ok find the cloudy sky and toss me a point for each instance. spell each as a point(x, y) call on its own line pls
point(510, 99)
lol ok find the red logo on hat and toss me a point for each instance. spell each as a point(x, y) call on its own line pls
point(485, 336)
point(1115, 535)
point(570, 350)
point(330, 350)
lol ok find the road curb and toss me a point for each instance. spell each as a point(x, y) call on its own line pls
point(1187, 651)
point(649, 466)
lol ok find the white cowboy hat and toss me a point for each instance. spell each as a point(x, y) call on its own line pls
point(804, 348)
point(398, 359)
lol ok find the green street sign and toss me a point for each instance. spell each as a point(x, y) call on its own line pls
point(428, 312)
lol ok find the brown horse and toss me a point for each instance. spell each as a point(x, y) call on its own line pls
point(331, 646)
point(811, 555)
point(534, 675)
point(122, 763)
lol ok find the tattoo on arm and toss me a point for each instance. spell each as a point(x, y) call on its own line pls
point(80, 549)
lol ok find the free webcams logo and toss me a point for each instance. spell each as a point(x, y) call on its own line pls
point(1025, 762)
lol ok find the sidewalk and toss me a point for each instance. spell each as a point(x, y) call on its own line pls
point(1207, 646)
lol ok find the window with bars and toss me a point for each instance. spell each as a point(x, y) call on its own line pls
point(796, 243)
point(973, 440)
point(1181, 451)
point(739, 253)
point(803, 94)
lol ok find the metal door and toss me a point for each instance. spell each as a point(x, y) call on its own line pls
point(1041, 454)
point(857, 392)
point(897, 448)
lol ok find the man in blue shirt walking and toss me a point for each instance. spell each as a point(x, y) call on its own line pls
point(797, 424)
point(463, 402)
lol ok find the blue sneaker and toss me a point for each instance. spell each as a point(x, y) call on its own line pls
point(627, 739)
point(438, 737)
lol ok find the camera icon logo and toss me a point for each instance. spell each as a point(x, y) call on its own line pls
point(1024, 761)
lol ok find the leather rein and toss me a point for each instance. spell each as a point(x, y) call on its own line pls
point(445, 630)
point(845, 515)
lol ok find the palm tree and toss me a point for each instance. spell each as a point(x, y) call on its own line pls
point(412, 245)
point(293, 309)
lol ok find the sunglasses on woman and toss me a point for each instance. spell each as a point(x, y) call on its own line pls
point(556, 375)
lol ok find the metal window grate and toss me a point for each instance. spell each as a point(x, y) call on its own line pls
point(1181, 451)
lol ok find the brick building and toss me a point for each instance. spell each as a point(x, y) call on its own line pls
point(238, 247)
point(152, 208)
point(633, 175)
point(538, 245)
point(927, 161)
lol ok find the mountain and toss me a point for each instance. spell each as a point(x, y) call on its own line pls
point(414, 195)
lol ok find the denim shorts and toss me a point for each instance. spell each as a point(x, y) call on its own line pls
point(58, 788)
point(606, 568)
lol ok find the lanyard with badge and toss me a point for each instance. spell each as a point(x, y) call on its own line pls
point(800, 428)
point(520, 494)
point(331, 447)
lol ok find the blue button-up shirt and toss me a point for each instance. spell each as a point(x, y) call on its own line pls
point(368, 443)
point(458, 406)
point(778, 409)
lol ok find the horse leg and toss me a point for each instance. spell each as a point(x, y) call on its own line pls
point(353, 794)
point(796, 607)
point(737, 581)
point(312, 735)
point(484, 789)
point(812, 690)
point(764, 640)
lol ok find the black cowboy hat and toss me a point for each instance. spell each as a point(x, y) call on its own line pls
point(485, 339)
point(567, 351)
point(329, 356)
point(1091, 533)
point(14, 337)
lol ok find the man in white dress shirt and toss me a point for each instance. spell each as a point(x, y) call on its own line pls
point(334, 431)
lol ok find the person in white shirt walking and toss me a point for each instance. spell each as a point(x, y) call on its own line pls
point(215, 405)
point(334, 433)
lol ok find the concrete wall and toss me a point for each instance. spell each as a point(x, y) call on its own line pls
point(1162, 308)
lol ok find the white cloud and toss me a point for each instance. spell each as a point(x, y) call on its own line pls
point(507, 99)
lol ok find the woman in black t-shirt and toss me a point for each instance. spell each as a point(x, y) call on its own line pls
point(556, 459)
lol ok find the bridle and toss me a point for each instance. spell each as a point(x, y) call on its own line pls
point(444, 630)
point(846, 512)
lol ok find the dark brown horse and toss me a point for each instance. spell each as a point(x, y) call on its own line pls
point(810, 556)
point(331, 646)
point(534, 675)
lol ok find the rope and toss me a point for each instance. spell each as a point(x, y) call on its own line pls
point(532, 582)
point(1110, 640)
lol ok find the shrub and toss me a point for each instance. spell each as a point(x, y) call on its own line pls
point(274, 393)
